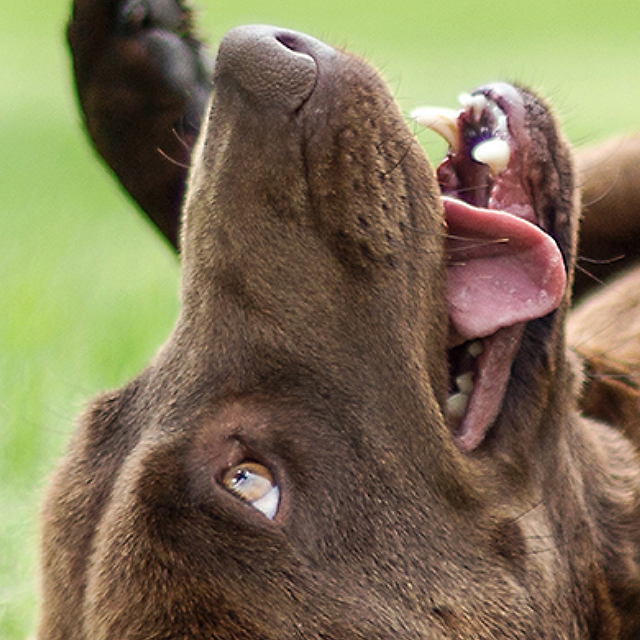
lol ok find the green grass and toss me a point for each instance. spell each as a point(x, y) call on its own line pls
point(88, 292)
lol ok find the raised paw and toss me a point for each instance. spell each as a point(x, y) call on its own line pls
point(143, 80)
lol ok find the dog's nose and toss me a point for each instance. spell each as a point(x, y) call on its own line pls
point(273, 67)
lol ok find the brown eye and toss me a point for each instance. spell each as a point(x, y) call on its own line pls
point(254, 483)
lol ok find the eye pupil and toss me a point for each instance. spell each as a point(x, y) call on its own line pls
point(240, 476)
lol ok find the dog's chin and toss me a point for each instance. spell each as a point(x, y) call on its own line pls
point(504, 267)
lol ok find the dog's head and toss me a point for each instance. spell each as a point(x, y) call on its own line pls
point(358, 427)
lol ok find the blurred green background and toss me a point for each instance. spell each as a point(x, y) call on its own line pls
point(88, 291)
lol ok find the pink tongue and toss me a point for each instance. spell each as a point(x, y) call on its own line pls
point(502, 270)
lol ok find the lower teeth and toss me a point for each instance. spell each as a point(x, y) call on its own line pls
point(465, 383)
point(458, 402)
point(457, 406)
point(475, 348)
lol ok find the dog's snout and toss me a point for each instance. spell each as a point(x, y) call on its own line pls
point(274, 67)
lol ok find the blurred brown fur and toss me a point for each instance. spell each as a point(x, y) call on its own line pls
point(604, 331)
point(609, 177)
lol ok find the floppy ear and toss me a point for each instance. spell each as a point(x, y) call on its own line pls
point(143, 81)
point(605, 332)
point(609, 175)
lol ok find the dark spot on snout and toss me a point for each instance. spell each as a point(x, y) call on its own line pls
point(508, 542)
point(446, 616)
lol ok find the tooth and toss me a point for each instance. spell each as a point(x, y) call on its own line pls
point(477, 104)
point(442, 121)
point(465, 383)
point(500, 118)
point(457, 406)
point(475, 348)
point(494, 152)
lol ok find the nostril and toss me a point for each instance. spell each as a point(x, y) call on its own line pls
point(274, 66)
point(293, 42)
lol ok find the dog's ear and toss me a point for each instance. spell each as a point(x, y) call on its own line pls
point(604, 331)
point(604, 328)
point(143, 81)
point(609, 176)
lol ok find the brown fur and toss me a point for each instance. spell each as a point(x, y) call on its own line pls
point(142, 81)
point(604, 331)
point(609, 175)
point(312, 339)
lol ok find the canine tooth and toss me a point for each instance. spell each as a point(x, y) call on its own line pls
point(500, 118)
point(494, 152)
point(442, 121)
point(477, 104)
point(475, 348)
point(465, 383)
point(457, 406)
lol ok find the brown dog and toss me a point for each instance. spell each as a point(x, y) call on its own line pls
point(295, 462)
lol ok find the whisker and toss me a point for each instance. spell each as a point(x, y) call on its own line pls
point(577, 531)
point(591, 169)
point(476, 244)
point(597, 333)
point(476, 187)
point(629, 377)
point(589, 274)
point(402, 158)
point(564, 544)
point(172, 160)
point(525, 513)
point(180, 138)
point(603, 261)
point(451, 236)
point(602, 196)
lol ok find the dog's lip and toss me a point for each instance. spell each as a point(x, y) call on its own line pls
point(492, 375)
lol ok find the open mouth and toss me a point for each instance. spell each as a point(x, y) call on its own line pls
point(503, 269)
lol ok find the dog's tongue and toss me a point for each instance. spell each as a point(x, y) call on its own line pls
point(502, 270)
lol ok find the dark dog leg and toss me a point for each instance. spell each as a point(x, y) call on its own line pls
point(143, 81)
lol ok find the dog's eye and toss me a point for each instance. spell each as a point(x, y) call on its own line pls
point(254, 483)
